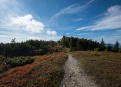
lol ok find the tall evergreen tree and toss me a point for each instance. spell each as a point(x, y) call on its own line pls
point(116, 46)
point(102, 45)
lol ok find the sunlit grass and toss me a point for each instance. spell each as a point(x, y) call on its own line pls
point(104, 67)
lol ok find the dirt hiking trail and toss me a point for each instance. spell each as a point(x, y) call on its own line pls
point(75, 76)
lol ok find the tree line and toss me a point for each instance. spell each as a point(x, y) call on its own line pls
point(75, 43)
point(27, 48)
point(40, 47)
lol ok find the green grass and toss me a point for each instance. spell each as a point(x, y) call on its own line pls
point(103, 67)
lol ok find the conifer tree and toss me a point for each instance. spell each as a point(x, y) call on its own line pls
point(116, 46)
point(102, 45)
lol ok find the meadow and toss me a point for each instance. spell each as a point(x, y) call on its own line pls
point(45, 71)
point(103, 67)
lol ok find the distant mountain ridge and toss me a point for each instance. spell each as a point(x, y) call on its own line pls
point(112, 45)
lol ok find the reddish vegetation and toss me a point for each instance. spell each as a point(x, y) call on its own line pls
point(46, 71)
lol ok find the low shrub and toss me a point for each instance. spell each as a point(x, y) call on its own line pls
point(119, 50)
point(19, 61)
point(97, 49)
point(3, 66)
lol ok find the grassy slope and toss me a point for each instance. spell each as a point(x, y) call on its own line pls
point(104, 67)
point(46, 71)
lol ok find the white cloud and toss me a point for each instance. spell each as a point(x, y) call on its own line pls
point(9, 8)
point(15, 22)
point(111, 20)
point(67, 33)
point(28, 23)
point(2, 2)
point(71, 9)
point(79, 19)
point(51, 33)
point(85, 34)
point(114, 10)
point(82, 28)
point(8, 36)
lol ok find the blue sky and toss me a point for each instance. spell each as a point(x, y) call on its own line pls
point(46, 19)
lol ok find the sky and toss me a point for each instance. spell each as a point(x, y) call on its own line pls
point(51, 19)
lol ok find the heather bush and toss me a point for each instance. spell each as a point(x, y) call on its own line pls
point(19, 61)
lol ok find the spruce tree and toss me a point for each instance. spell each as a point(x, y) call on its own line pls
point(116, 46)
point(102, 45)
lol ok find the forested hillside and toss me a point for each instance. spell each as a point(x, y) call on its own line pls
point(75, 43)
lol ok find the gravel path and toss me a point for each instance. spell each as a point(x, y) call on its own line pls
point(75, 76)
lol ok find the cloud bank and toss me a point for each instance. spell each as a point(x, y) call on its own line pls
point(111, 20)
point(27, 22)
point(15, 22)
